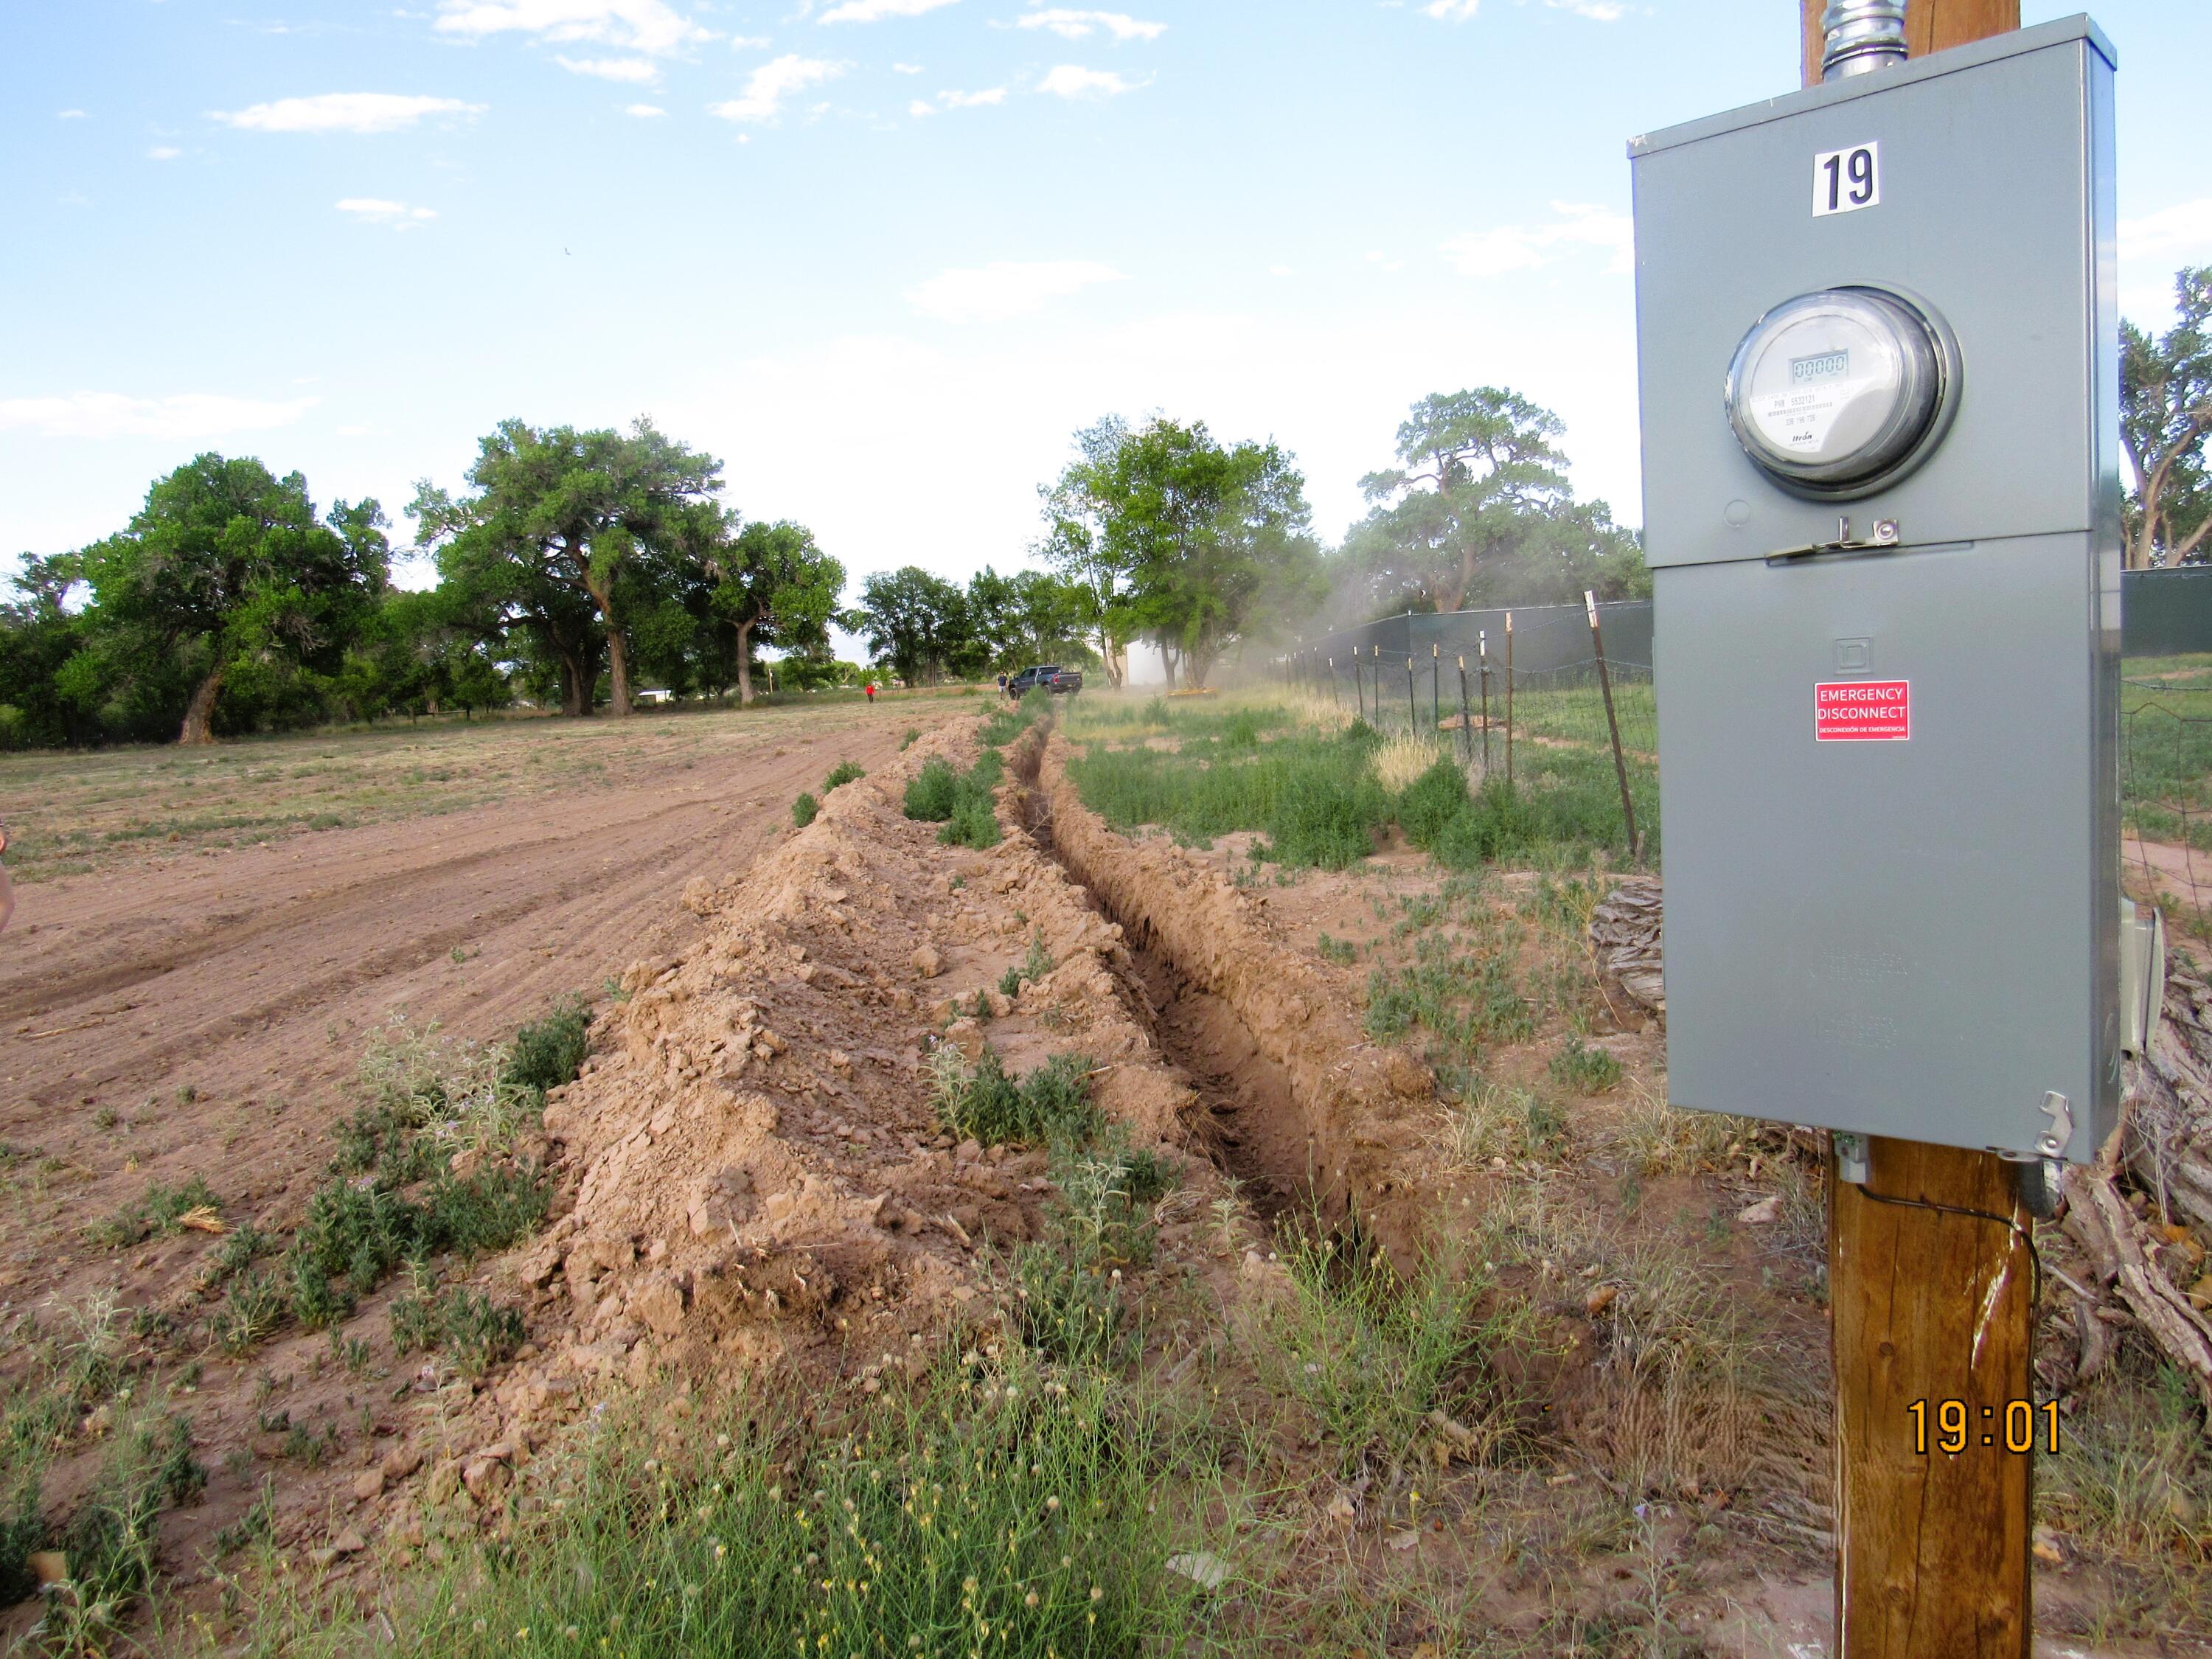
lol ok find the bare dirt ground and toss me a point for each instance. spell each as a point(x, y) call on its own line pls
point(753, 1180)
point(182, 1013)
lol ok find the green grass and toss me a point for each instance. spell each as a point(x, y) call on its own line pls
point(79, 1361)
point(843, 773)
point(1372, 1354)
point(1317, 800)
point(1001, 1507)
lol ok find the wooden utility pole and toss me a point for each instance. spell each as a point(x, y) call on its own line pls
point(1929, 26)
point(1930, 1304)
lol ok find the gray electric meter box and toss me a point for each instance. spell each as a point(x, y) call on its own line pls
point(1878, 342)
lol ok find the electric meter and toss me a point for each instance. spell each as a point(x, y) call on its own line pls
point(1836, 393)
point(1886, 597)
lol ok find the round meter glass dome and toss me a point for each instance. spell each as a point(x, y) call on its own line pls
point(1839, 393)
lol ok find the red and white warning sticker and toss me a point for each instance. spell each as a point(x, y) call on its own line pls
point(1862, 711)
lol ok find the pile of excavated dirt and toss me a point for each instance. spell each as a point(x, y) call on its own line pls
point(758, 1171)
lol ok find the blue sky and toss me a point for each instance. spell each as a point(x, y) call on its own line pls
point(881, 256)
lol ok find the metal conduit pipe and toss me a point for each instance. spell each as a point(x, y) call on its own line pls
point(1861, 36)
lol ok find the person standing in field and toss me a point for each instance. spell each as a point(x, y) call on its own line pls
point(7, 893)
point(871, 691)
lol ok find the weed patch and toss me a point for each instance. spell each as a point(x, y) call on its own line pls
point(843, 773)
point(548, 1052)
point(1585, 1069)
point(1052, 1104)
point(803, 809)
point(468, 1326)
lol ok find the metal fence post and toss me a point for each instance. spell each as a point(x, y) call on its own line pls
point(1482, 657)
point(1605, 687)
point(1466, 725)
point(1412, 718)
point(1509, 700)
point(1435, 670)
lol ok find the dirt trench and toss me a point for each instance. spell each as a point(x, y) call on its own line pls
point(1292, 1098)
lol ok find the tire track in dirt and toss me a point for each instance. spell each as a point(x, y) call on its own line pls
point(255, 978)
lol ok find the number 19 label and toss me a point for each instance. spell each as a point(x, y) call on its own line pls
point(1845, 180)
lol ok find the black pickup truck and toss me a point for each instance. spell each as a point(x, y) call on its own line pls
point(1048, 676)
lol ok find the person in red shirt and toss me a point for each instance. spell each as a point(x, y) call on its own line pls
point(872, 690)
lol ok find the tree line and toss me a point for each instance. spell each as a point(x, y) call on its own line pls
point(576, 566)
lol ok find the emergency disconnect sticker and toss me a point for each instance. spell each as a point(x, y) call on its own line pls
point(1861, 711)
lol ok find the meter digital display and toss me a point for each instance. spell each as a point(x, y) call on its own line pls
point(1829, 366)
point(1839, 393)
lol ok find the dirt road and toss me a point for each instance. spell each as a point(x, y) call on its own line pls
point(203, 1016)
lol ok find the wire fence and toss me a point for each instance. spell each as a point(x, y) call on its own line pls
point(1545, 700)
point(1541, 700)
point(2166, 783)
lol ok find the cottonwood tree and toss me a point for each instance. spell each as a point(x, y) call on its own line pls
point(1224, 541)
point(1080, 540)
point(228, 577)
point(2166, 412)
point(773, 586)
point(1175, 534)
point(1479, 509)
point(1028, 617)
point(573, 533)
point(917, 623)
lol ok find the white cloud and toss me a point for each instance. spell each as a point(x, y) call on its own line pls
point(611, 68)
point(906, 69)
point(767, 87)
point(2185, 225)
point(1005, 288)
point(973, 100)
point(748, 42)
point(872, 11)
point(1073, 81)
point(1077, 25)
point(1279, 270)
point(163, 153)
point(643, 112)
point(1598, 11)
point(1452, 11)
point(68, 115)
point(1522, 247)
point(649, 26)
point(343, 112)
point(113, 415)
point(376, 210)
point(921, 106)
